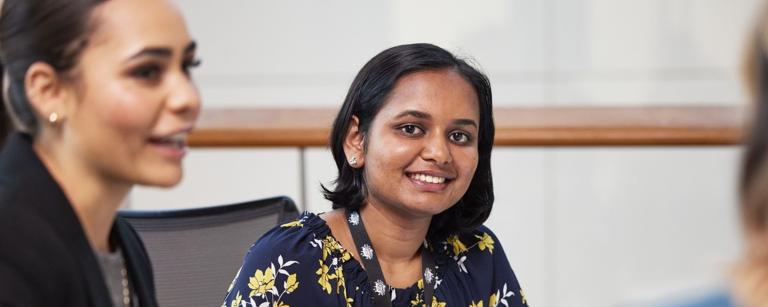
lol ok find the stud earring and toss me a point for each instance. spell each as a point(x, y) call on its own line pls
point(353, 161)
point(53, 118)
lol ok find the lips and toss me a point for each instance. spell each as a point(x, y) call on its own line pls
point(430, 177)
point(427, 178)
point(172, 146)
point(177, 140)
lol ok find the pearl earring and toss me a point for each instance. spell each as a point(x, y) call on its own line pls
point(53, 118)
point(353, 161)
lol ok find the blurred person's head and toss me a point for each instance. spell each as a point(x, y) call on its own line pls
point(102, 86)
point(752, 271)
point(415, 134)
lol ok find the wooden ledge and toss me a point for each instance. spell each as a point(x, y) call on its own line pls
point(515, 126)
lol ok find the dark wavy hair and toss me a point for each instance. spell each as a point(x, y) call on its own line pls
point(50, 31)
point(369, 92)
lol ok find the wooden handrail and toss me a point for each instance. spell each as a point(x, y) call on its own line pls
point(515, 126)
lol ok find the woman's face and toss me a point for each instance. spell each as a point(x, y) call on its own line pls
point(422, 145)
point(135, 99)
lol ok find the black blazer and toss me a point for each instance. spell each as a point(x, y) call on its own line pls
point(45, 258)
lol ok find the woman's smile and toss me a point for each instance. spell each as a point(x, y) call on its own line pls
point(430, 181)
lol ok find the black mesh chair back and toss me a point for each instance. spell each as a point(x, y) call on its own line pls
point(196, 253)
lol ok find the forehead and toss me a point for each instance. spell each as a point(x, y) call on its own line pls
point(440, 93)
point(130, 25)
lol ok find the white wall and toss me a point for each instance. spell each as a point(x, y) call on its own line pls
point(581, 226)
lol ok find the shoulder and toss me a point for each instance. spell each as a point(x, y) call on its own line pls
point(297, 243)
point(285, 259)
point(478, 256)
point(35, 260)
point(294, 237)
point(28, 233)
point(479, 241)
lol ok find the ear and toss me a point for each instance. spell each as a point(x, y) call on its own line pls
point(45, 92)
point(354, 144)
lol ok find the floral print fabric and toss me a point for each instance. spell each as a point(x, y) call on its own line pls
point(301, 264)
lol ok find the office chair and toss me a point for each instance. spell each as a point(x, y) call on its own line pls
point(196, 253)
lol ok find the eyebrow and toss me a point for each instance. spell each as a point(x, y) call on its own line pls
point(191, 47)
point(422, 115)
point(417, 114)
point(465, 122)
point(162, 51)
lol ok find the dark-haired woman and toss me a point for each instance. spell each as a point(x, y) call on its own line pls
point(412, 144)
point(101, 99)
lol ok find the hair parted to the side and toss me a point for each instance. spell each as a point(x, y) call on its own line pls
point(49, 31)
point(369, 92)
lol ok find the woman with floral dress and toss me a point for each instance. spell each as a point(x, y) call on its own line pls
point(412, 143)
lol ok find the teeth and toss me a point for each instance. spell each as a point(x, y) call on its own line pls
point(428, 178)
point(178, 137)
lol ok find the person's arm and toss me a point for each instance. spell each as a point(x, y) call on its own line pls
point(282, 269)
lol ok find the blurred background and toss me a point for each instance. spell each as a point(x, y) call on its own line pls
point(581, 226)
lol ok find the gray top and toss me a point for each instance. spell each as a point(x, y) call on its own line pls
point(113, 266)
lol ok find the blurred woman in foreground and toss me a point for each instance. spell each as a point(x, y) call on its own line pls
point(100, 95)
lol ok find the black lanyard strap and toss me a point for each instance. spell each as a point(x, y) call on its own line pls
point(381, 290)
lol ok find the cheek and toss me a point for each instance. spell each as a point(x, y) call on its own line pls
point(125, 109)
point(387, 152)
point(466, 162)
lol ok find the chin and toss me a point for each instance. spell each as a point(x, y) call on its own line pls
point(432, 205)
point(162, 179)
point(429, 209)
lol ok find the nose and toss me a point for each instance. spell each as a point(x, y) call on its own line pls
point(437, 150)
point(184, 98)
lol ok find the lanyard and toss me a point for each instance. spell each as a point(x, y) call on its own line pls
point(382, 295)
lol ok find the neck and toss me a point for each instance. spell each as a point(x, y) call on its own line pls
point(94, 198)
point(396, 238)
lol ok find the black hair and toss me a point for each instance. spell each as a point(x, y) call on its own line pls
point(369, 92)
point(49, 31)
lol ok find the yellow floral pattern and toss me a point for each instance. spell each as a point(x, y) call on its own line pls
point(332, 252)
point(486, 242)
point(458, 246)
point(261, 282)
point(237, 300)
point(478, 304)
point(296, 223)
point(419, 301)
point(325, 277)
point(263, 285)
point(323, 274)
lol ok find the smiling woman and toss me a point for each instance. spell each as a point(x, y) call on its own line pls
point(412, 144)
point(101, 97)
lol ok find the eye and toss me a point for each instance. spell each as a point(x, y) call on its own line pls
point(459, 137)
point(189, 64)
point(411, 130)
point(148, 72)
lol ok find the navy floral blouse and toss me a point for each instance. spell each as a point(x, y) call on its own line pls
point(301, 264)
